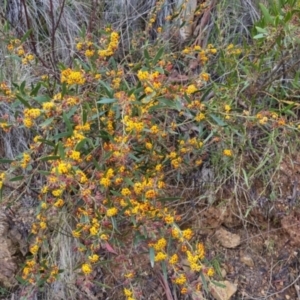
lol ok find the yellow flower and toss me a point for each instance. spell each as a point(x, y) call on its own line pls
point(227, 108)
point(93, 258)
point(86, 269)
point(57, 192)
point(63, 168)
point(127, 292)
point(104, 237)
point(204, 76)
point(30, 263)
point(150, 194)
point(160, 244)
point(105, 182)
point(93, 230)
point(112, 212)
point(20, 51)
point(187, 233)
point(227, 152)
point(200, 117)
point(129, 275)
point(48, 105)
point(59, 203)
point(174, 259)
point(79, 46)
point(25, 161)
point(72, 77)
point(191, 89)
point(176, 234)
point(180, 280)
point(26, 271)
point(210, 272)
point(160, 256)
point(30, 57)
point(200, 250)
point(28, 122)
point(34, 249)
point(143, 75)
point(169, 219)
point(154, 129)
point(184, 291)
point(89, 53)
point(75, 155)
point(263, 121)
point(43, 225)
point(32, 113)
point(76, 234)
point(125, 192)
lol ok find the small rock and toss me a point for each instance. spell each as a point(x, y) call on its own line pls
point(222, 290)
point(228, 239)
point(247, 260)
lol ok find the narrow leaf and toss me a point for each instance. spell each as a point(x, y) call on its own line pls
point(106, 100)
point(152, 256)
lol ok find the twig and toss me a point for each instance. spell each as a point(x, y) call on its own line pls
point(166, 286)
point(297, 290)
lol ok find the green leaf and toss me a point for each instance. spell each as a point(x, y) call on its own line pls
point(146, 54)
point(50, 157)
point(64, 89)
point(46, 142)
point(128, 181)
point(23, 101)
point(17, 178)
point(68, 123)
point(35, 89)
point(45, 173)
point(148, 98)
point(218, 120)
point(261, 30)
point(25, 36)
point(61, 150)
point(84, 116)
point(167, 102)
point(259, 36)
point(62, 135)
point(158, 55)
point(218, 284)
point(6, 161)
point(164, 269)
point(115, 225)
point(21, 280)
point(266, 14)
point(107, 88)
point(81, 144)
point(47, 122)
point(106, 100)
point(102, 284)
point(204, 282)
point(42, 98)
point(152, 256)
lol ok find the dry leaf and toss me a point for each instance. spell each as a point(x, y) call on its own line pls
point(223, 293)
point(228, 239)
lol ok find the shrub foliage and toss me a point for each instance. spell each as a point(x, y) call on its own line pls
point(114, 138)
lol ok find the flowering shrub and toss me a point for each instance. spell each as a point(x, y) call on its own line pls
point(109, 143)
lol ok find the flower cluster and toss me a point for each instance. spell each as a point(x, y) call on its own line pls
point(72, 77)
